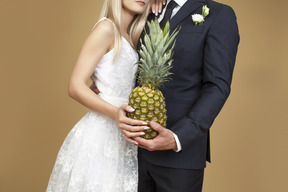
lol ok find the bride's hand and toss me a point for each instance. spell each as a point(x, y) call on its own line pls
point(157, 6)
point(129, 127)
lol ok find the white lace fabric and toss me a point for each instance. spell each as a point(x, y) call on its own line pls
point(95, 157)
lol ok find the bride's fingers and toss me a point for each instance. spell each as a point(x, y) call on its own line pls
point(157, 9)
point(133, 134)
point(153, 7)
point(157, 6)
point(135, 122)
point(131, 122)
point(160, 6)
point(133, 128)
point(125, 120)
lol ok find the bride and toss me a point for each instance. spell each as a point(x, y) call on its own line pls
point(95, 155)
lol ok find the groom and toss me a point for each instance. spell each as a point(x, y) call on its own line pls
point(204, 58)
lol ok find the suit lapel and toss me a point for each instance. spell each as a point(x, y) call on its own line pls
point(186, 9)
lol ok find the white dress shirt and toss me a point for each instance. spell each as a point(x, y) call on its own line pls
point(175, 10)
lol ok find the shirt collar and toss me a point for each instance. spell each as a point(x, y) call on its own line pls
point(179, 2)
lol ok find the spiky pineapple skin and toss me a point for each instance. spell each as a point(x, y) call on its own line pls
point(149, 105)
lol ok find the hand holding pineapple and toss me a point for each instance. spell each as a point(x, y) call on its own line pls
point(148, 101)
point(132, 130)
point(164, 141)
point(129, 127)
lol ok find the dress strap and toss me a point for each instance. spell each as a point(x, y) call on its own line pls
point(103, 18)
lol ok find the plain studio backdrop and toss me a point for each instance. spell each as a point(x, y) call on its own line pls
point(40, 41)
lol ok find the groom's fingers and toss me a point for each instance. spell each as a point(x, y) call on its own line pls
point(146, 144)
point(156, 126)
point(143, 147)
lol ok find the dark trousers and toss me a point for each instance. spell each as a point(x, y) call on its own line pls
point(153, 178)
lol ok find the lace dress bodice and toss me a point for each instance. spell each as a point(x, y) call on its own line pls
point(116, 79)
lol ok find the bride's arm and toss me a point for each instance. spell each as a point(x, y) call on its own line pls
point(98, 42)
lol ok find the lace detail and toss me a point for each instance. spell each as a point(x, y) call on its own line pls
point(95, 157)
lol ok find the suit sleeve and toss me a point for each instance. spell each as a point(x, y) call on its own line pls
point(218, 64)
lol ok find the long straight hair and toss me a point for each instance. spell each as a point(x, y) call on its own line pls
point(112, 10)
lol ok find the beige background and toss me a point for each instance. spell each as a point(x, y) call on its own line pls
point(40, 41)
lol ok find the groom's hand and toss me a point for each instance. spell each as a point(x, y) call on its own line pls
point(94, 88)
point(164, 141)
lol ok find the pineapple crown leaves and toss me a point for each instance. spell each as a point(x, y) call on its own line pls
point(156, 55)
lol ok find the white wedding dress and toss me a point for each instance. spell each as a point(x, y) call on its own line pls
point(95, 157)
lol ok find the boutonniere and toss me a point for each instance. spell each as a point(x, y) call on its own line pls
point(198, 18)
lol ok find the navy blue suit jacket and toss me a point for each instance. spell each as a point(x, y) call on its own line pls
point(204, 58)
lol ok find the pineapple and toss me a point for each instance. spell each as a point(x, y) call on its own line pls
point(153, 70)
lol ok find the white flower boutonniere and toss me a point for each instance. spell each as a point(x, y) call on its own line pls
point(198, 18)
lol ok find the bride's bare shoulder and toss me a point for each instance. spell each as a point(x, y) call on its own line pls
point(102, 35)
point(103, 27)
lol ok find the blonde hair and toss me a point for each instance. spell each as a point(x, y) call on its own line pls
point(112, 10)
